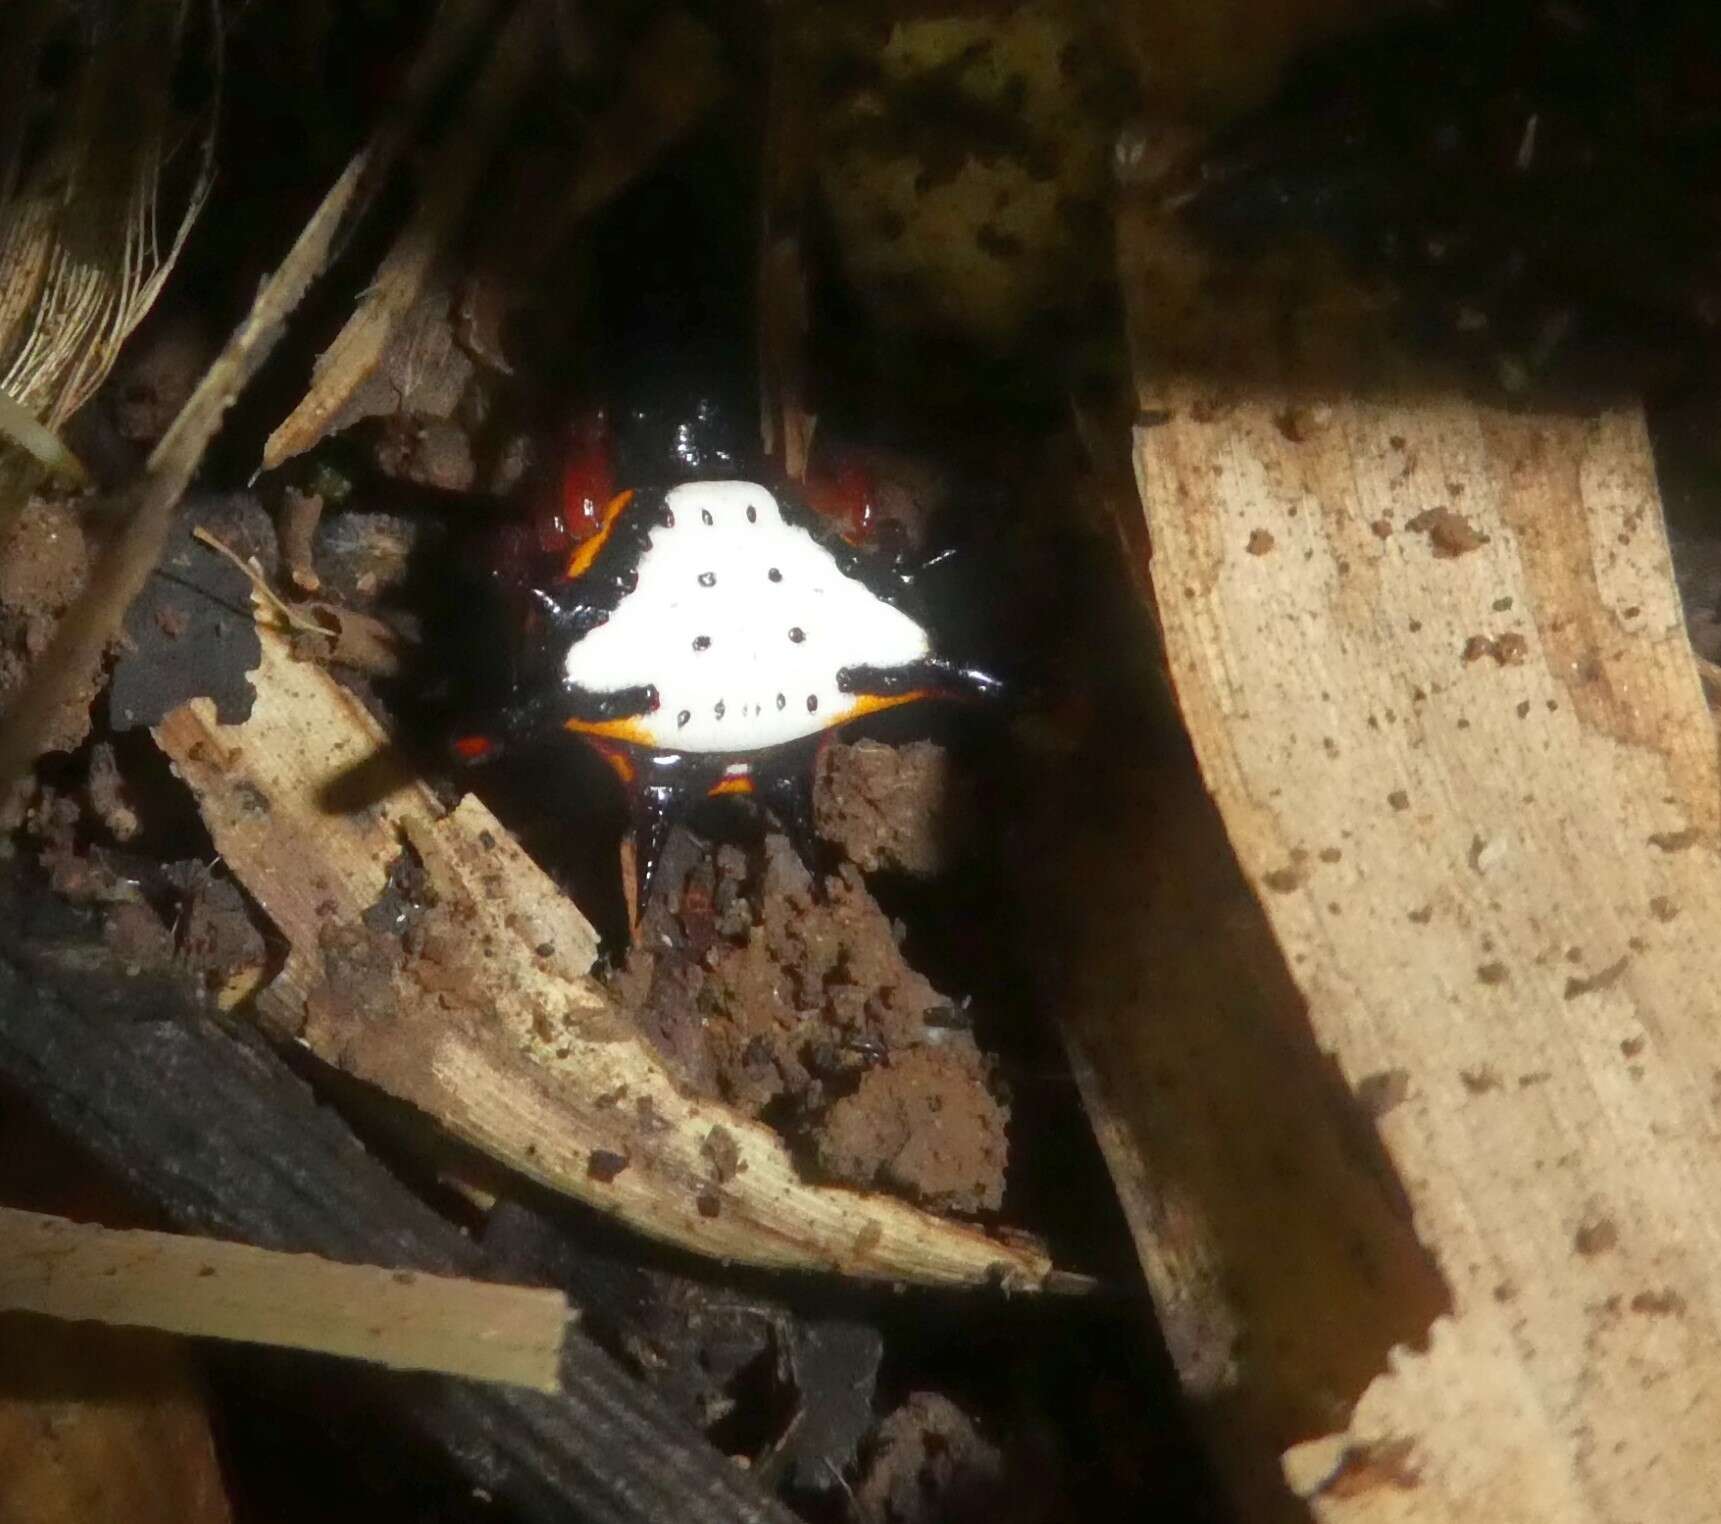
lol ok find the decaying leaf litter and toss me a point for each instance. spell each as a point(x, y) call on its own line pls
point(827, 1070)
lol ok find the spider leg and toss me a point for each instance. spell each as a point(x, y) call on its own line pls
point(785, 787)
point(930, 677)
point(655, 807)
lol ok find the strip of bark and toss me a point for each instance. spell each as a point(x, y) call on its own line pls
point(213, 1289)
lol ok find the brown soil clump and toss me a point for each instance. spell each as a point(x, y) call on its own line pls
point(929, 1465)
point(889, 807)
point(800, 1007)
point(44, 562)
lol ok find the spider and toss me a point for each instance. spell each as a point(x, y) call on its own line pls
point(705, 630)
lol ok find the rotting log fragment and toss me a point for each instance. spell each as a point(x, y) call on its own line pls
point(1466, 866)
point(486, 1017)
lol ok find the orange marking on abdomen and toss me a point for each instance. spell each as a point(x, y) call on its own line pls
point(874, 703)
point(628, 729)
point(741, 783)
point(586, 552)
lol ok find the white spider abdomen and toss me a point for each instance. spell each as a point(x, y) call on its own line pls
point(741, 622)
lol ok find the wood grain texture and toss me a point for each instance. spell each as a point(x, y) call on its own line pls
point(1433, 664)
point(175, 1283)
point(1277, 1251)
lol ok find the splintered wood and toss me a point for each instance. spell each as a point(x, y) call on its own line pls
point(220, 1290)
point(1434, 667)
point(488, 1021)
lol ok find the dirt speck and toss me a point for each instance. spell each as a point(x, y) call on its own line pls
point(108, 795)
point(722, 1153)
point(1479, 1081)
point(1379, 1093)
point(1381, 529)
point(1666, 1303)
point(1261, 542)
point(1630, 1047)
point(1509, 650)
point(1486, 853)
point(137, 938)
point(1364, 1469)
point(1422, 915)
point(1492, 973)
point(218, 940)
point(603, 1165)
point(1674, 841)
point(1300, 423)
point(1283, 880)
point(1609, 976)
point(1449, 534)
point(1398, 799)
point(1596, 1236)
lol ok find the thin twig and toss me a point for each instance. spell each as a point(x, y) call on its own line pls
point(290, 616)
point(212, 1289)
point(94, 620)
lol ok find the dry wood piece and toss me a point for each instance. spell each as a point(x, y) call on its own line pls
point(219, 1290)
point(1280, 1262)
point(296, 524)
point(1433, 663)
point(485, 1017)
